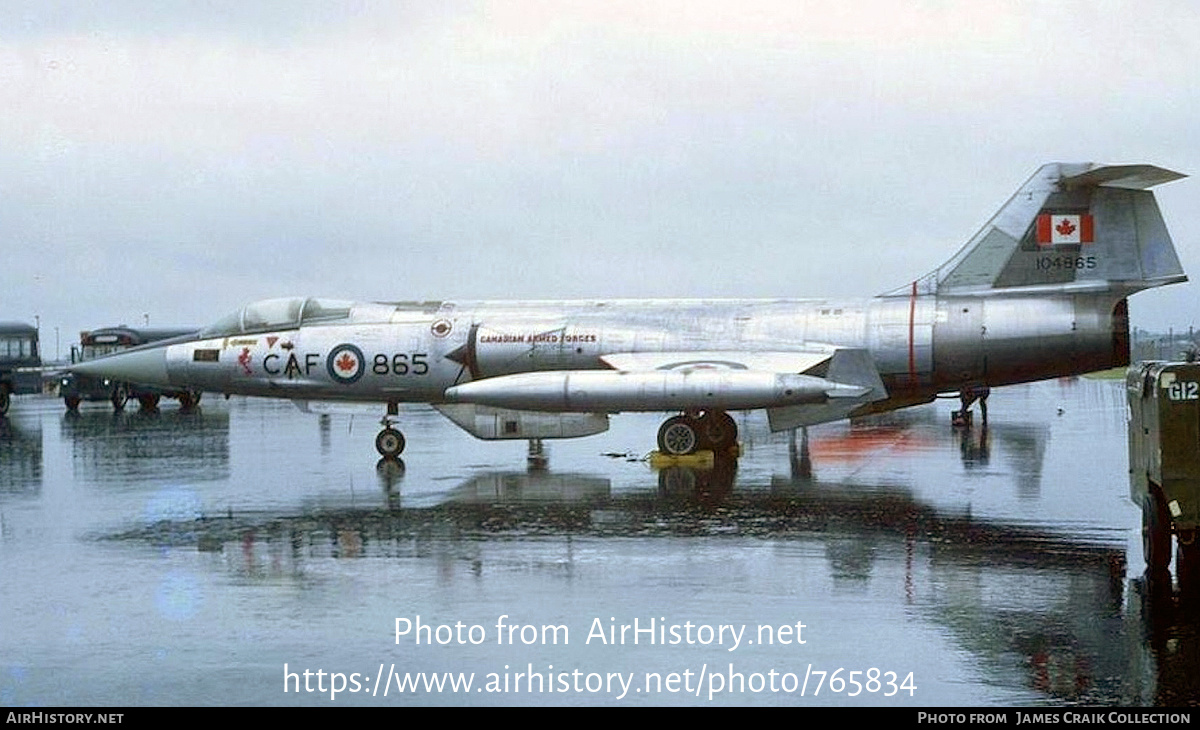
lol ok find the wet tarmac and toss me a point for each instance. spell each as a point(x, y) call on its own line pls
point(213, 557)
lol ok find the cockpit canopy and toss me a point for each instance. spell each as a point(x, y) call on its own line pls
point(278, 314)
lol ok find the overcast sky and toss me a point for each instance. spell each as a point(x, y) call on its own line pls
point(179, 159)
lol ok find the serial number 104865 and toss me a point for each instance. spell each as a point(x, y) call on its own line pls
point(1049, 263)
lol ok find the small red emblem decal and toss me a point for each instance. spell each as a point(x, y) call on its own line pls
point(1065, 227)
point(346, 363)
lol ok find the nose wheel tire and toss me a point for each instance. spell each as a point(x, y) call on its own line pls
point(678, 436)
point(120, 396)
point(389, 443)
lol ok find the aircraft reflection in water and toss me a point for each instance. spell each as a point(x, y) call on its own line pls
point(1062, 632)
point(127, 447)
point(20, 457)
point(1041, 606)
point(1039, 292)
point(1020, 447)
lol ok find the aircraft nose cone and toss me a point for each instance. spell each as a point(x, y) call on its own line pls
point(146, 367)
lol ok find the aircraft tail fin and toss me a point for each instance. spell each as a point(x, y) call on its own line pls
point(1071, 227)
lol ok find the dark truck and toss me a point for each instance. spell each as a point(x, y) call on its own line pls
point(20, 362)
point(76, 388)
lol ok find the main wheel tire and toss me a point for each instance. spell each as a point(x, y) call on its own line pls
point(4, 400)
point(1156, 535)
point(149, 401)
point(719, 431)
point(119, 397)
point(389, 443)
point(678, 436)
point(188, 399)
point(72, 402)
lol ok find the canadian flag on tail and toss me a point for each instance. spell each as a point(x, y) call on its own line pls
point(1055, 230)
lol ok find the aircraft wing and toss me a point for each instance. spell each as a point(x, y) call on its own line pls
point(771, 362)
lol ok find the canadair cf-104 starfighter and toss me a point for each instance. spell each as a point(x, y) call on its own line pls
point(1039, 292)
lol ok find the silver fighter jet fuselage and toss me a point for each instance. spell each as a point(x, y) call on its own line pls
point(1039, 292)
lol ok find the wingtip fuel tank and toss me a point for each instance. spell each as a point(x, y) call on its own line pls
point(588, 391)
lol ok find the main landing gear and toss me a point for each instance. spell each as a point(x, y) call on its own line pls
point(119, 397)
point(390, 442)
point(694, 431)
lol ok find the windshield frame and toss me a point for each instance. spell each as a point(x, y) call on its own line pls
point(285, 313)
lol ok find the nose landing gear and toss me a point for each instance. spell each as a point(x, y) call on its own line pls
point(389, 442)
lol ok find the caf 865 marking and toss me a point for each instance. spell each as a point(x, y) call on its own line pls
point(993, 314)
point(345, 364)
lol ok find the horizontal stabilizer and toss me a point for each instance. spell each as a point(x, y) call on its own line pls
point(1129, 177)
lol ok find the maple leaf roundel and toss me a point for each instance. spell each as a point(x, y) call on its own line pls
point(345, 364)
